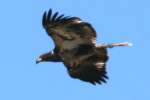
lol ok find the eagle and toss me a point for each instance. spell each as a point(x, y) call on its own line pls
point(75, 46)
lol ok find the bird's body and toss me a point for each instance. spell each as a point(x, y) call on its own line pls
point(75, 46)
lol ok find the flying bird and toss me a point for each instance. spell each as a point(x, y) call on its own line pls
point(75, 46)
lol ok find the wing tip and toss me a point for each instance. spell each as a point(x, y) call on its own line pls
point(90, 74)
point(51, 18)
point(44, 19)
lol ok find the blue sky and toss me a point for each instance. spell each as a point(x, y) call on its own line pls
point(22, 40)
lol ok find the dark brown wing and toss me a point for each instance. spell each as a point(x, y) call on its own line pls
point(69, 28)
point(54, 23)
point(52, 20)
point(93, 69)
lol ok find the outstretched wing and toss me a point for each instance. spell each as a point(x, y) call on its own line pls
point(65, 28)
point(92, 69)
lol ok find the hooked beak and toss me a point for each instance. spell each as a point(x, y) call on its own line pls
point(38, 60)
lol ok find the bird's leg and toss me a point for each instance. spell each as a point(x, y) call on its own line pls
point(114, 45)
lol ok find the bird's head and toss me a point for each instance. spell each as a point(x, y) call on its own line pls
point(46, 57)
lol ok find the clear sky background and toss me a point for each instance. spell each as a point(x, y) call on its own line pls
point(22, 40)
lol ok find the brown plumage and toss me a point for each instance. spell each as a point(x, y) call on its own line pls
point(75, 46)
